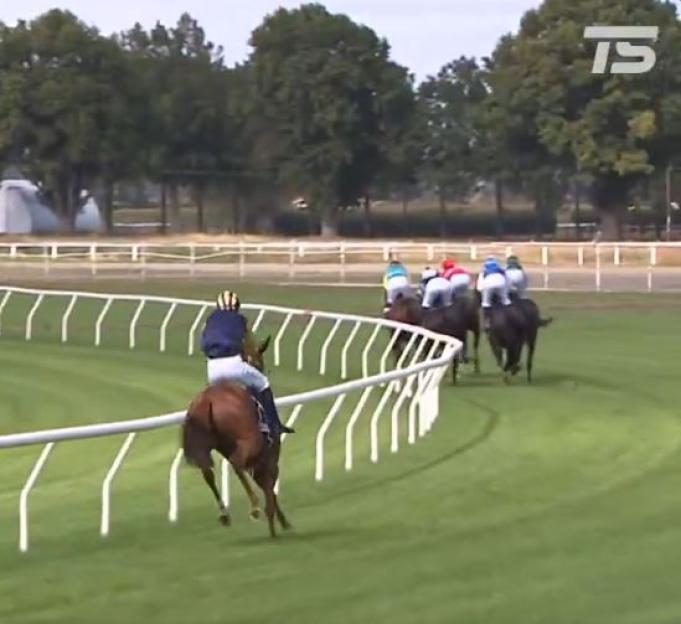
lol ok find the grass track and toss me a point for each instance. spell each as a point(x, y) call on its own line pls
point(552, 504)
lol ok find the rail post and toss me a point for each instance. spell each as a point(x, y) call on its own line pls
point(545, 264)
point(23, 498)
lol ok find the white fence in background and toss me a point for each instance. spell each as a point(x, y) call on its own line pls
point(590, 263)
point(411, 389)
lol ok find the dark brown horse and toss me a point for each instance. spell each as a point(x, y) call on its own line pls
point(455, 320)
point(512, 327)
point(224, 418)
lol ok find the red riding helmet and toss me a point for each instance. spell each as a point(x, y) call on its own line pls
point(447, 264)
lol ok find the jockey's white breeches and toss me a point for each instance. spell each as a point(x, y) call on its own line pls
point(517, 282)
point(460, 283)
point(395, 287)
point(235, 369)
point(494, 284)
point(438, 290)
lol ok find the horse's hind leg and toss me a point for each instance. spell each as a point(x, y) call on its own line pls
point(285, 524)
point(266, 483)
point(512, 361)
point(209, 478)
point(255, 503)
point(476, 348)
point(531, 344)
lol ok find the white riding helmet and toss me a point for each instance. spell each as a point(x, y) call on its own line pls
point(428, 274)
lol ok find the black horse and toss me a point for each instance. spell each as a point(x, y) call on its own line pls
point(511, 327)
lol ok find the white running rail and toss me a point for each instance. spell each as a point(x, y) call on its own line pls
point(410, 389)
point(581, 266)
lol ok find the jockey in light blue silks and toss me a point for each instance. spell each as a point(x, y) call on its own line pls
point(517, 279)
point(492, 282)
point(396, 283)
point(437, 291)
point(222, 342)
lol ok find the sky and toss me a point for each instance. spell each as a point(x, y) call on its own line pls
point(424, 34)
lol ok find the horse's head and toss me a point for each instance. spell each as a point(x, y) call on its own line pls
point(255, 357)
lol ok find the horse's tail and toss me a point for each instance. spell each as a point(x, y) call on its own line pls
point(197, 441)
point(545, 322)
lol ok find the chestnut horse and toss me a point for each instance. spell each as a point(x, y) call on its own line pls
point(224, 417)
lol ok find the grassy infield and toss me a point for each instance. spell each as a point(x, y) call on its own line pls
point(553, 504)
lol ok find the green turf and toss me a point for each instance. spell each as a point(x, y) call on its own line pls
point(551, 504)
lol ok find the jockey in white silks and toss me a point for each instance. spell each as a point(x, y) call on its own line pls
point(516, 277)
point(222, 342)
point(492, 282)
point(458, 277)
point(396, 283)
point(437, 291)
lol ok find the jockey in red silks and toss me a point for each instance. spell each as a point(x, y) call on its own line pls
point(458, 277)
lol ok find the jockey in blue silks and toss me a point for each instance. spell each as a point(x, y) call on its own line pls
point(492, 282)
point(396, 283)
point(222, 342)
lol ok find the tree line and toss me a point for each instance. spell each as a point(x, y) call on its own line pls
point(321, 110)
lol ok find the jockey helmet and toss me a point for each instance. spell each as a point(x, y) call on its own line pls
point(447, 264)
point(513, 262)
point(428, 274)
point(228, 300)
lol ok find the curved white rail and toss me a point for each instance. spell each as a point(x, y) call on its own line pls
point(414, 381)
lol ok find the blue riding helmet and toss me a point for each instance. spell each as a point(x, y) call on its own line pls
point(492, 265)
point(396, 269)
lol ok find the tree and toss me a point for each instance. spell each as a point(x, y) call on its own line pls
point(402, 143)
point(186, 131)
point(322, 85)
point(607, 127)
point(451, 104)
point(63, 98)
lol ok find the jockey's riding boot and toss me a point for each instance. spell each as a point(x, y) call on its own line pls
point(272, 415)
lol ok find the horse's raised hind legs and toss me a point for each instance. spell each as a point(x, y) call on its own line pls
point(209, 478)
point(198, 444)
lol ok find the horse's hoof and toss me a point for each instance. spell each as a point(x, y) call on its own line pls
point(256, 513)
point(225, 520)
